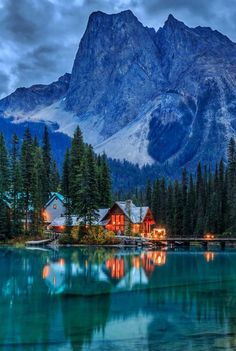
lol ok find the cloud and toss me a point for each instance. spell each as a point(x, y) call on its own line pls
point(39, 38)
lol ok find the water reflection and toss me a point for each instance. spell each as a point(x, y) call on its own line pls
point(97, 299)
point(209, 256)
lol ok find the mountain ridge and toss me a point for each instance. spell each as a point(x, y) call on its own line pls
point(163, 96)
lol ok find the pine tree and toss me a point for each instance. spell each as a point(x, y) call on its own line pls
point(170, 210)
point(77, 153)
point(148, 196)
point(65, 186)
point(26, 172)
point(4, 188)
point(104, 183)
point(37, 187)
point(231, 186)
point(47, 164)
point(178, 211)
point(86, 196)
point(55, 177)
point(16, 188)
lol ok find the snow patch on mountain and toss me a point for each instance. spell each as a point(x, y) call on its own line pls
point(131, 142)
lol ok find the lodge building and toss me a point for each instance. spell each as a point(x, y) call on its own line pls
point(118, 218)
point(124, 213)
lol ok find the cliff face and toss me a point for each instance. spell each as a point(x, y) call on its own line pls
point(144, 95)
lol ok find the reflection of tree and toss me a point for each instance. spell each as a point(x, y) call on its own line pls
point(22, 303)
point(82, 317)
point(187, 298)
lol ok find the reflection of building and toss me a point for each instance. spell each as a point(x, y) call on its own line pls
point(54, 275)
point(151, 259)
point(209, 256)
point(116, 267)
point(124, 213)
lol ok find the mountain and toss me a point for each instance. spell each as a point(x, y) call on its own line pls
point(165, 97)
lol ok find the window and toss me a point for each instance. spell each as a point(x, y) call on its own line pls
point(55, 206)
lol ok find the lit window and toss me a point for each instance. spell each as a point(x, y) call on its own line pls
point(55, 206)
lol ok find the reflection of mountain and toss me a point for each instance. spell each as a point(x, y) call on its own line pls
point(186, 299)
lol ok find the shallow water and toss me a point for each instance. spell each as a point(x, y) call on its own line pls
point(106, 299)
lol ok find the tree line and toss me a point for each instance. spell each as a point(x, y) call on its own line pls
point(28, 175)
point(198, 203)
point(86, 181)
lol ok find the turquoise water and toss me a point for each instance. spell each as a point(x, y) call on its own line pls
point(106, 299)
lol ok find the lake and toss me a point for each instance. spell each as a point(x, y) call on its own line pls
point(110, 299)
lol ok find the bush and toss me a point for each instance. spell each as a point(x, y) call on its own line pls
point(98, 236)
point(89, 236)
point(67, 239)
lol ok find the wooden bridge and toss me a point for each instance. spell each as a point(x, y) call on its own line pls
point(176, 241)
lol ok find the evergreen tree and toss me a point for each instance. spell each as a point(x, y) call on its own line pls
point(178, 211)
point(77, 153)
point(27, 160)
point(16, 188)
point(4, 188)
point(231, 186)
point(55, 178)
point(148, 197)
point(47, 164)
point(104, 183)
point(86, 196)
point(37, 187)
point(65, 186)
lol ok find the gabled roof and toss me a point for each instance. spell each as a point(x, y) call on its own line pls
point(61, 221)
point(134, 213)
point(53, 196)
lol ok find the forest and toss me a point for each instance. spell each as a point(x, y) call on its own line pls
point(199, 202)
point(28, 175)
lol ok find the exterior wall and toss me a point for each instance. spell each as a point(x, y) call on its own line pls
point(118, 220)
point(55, 209)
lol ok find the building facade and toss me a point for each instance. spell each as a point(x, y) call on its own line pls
point(54, 208)
point(124, 215)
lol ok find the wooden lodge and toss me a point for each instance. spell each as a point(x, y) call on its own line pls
point(124, 214)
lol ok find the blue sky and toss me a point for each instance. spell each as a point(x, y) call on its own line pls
point(39, 38)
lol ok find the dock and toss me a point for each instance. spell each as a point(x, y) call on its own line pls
point(173, 242)
point(45, 242)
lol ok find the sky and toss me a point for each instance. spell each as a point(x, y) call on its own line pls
point(39, 38)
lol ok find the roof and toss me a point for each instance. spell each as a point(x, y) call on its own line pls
point(134, 213)
point(54, 195)
point(61, 221)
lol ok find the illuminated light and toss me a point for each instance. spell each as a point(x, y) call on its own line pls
point(116, 267)
point(209, 236)
point(45, 216)
point(61, 262)
point(54, 280)
point(46, 271)
point(159, 233)
point(136, 262)
point(209, 256)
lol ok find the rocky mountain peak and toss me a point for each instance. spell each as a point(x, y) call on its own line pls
point(173, 23)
